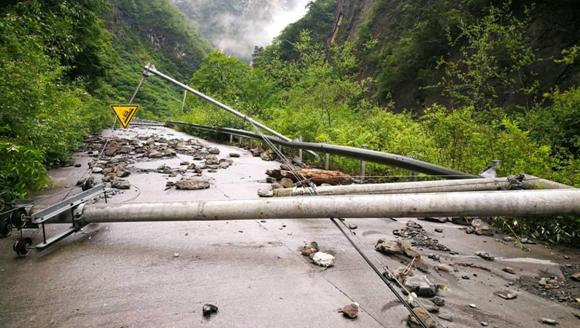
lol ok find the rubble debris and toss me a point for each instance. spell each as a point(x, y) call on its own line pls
point(421, 285)
point(424, 316)
point(209, 309)
point(508, 239)
point(350, 310)
point(419, 237)
point(439, 230)
point(192, 184)
point(234, 155)
point(121, 184)
point(175, 254)
point(485, 255)
point(310, 249)
point(473, 306)
point(323, 259)
point(484, 323)
point(506, 294)
point(213, 150)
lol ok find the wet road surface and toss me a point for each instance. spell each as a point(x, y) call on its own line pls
point(160, 274)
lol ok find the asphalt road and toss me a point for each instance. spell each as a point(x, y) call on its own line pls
point(161, 274)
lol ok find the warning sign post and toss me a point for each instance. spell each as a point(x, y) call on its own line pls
point(125, 113)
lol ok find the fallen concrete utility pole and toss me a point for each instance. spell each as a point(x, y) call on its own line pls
point(527, 182)
point(152, 70)
point(519, 203)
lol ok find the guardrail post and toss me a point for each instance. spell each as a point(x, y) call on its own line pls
point(363, 166)
point(231, 139)
point(300, 150)
point(327, 161)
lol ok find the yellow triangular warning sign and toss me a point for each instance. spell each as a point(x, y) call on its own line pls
point(125, 113)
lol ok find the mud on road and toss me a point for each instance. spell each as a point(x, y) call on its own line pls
point(162, 274)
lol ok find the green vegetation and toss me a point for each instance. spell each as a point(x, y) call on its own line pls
point(61, 68)
point(491, 103)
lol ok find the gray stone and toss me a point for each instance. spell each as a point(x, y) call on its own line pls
point(192, 184)
point(421, 286)
point(121, 184)
point(388, 247)
point(234, 155)
point(213, 150)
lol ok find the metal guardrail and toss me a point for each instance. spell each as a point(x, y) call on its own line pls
point(346, 151)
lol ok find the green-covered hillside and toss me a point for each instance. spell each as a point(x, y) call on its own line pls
point(63, 62)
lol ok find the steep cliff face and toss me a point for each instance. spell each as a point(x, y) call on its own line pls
point(400, 43)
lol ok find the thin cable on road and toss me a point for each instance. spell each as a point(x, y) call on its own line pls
point(311, 189)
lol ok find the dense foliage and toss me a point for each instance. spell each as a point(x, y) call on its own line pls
point(60, 69)
point(319, 95)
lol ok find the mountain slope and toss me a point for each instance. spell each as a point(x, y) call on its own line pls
point(402, 44)
point(152, 32)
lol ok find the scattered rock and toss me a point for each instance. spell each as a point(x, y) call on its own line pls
point(509, 270)
point(423, 316)
point(192, 184)
point(438, 301)
point(575, 276)
point(213, 150)
point(481, 228)
point(234, 155)
point(121, 184)
point(388, 247)
point(508, 239)
point(225, 163)
point(473, 306)
point(421, 286)
point(184, 163)
point(323, 259)
point(175, 254)
point(265, 192)
point(439, 230)
point(506, 295)
point(97, 170)
point(469, 230)
point(155, 154)
point(350, 310)
point(548, 321)
point(268, 155)
point(419, 237)
point(78, 165)
point(484, 323)
point(465, 277)
point(485, 255)
point(209, 309)
point(310, 249)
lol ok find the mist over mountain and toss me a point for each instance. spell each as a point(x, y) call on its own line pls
point(236, 26)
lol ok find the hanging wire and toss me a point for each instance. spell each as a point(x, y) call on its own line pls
point(310, 188)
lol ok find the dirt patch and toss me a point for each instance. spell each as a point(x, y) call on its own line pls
point(555, 288)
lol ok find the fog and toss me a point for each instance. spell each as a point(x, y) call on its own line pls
point(236, 26)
